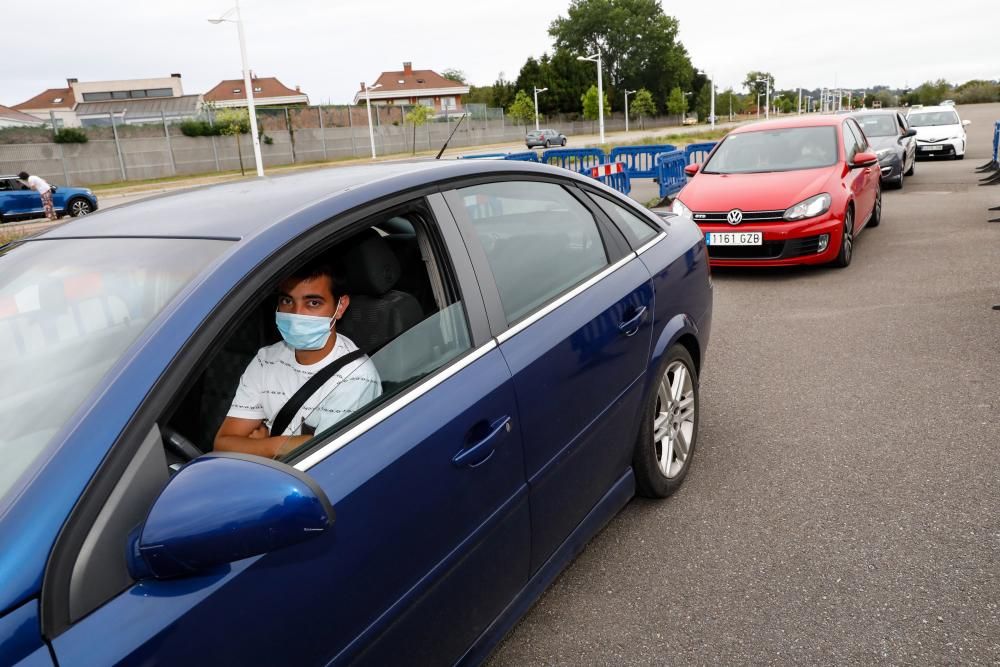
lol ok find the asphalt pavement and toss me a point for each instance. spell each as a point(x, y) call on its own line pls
point(844, 502)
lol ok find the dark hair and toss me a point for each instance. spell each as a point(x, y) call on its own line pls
point(321, 267)
point(23, 175)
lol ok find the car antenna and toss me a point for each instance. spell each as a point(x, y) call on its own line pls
point(441, 152)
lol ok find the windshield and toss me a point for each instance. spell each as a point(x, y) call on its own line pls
point(774, 150)
point(879, 125)
point(68, 311)
point(931, 118)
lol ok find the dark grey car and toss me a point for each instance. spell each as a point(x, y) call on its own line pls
point(544, 138)
point(893, 140)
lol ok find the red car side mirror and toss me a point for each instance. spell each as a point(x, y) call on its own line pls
point(864, 160)
point(692, 169)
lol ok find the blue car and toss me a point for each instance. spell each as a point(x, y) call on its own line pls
point(19, 202)
point(537, 338)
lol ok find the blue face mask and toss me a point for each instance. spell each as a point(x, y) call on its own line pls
point(304, 332)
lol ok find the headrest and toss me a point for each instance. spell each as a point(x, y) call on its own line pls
point(369, 265)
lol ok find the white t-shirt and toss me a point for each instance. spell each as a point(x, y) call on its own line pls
point(38, 184)
point(274, 376)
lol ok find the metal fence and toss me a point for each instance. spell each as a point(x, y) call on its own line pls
point(294, 135)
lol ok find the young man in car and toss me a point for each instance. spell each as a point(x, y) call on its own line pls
point(309, 304)
point(41, 186)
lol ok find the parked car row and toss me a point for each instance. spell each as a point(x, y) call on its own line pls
point(800, 190)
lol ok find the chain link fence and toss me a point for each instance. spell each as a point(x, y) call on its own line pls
point(289, 135)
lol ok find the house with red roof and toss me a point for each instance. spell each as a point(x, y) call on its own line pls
point(14, 118)
point(267, 91)
point(415, 86)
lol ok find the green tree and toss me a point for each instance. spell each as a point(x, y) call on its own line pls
point(417, 116)
point(638, 43)
point(677, 103)
point(503, 92)
point(642, 106)
point(755, 86)
point(522, 110)
point(234, 122)
point(454, 74)
point(589, 100)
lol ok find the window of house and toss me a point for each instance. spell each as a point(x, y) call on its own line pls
point(426, 101)
point(160, 92)
point(448, 103)
point(57, 100)
point(257, 89)
point(96, 97)
point(540, 240)
point(237, 90)
point(120, 95)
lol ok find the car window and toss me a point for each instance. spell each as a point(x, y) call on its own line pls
point(933, 118)
point(637, 230)
point(859, 136)
point(763, 151)
point(878, 125)
point(850, 143)
point(69, 309)
point(5, 184)
point(538, 238)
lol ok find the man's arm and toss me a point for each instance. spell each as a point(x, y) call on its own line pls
point(250, 436)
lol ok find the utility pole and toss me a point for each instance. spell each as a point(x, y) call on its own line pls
point(800, 101)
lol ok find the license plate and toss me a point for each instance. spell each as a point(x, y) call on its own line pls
point(933, 148)
point(734, 238)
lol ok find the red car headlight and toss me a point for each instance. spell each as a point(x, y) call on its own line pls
point(809, 208)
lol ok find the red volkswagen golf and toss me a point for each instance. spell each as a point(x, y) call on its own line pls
point(795, 191)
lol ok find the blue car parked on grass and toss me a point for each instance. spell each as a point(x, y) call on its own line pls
point(538, 338)
point(19, 202)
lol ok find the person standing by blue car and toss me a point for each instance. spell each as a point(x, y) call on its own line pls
point(41, 186)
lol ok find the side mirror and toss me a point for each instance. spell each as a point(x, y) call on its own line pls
point(864, 160)
point(966, 122)
point(692, 169)
point(222, 508)
point(909, 133)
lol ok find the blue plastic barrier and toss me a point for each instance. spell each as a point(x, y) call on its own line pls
point(696, 153)
point(619, 180)
point(575, 159)
point(483, 155)
point(640, 161)
point(996, 140)
point(523, 156)
point(670, 172)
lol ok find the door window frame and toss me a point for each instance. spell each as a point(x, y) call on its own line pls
point(615, 244)
point(208, 340)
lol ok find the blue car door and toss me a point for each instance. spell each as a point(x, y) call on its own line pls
point(573, 307)
point(430, 543)
point(23, 200)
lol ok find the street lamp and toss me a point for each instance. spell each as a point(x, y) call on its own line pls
point(627, 93)
point(537, 90)
point(368, 103)
point(767, 97)
point(247, 83)
point(596, 58)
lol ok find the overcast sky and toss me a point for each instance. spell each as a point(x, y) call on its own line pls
point(329, 46)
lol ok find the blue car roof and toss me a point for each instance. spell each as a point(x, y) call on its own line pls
point(241, 209)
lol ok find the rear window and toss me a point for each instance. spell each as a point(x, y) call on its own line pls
point(878, 125)
point(69, 309)
point(931, 118)
point(774, 150)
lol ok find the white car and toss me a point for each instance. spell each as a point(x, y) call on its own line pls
point(940, 131)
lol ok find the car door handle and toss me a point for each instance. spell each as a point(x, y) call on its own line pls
point(630, 326)
point(479, 453)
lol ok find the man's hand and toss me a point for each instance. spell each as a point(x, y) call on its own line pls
point(250, 436)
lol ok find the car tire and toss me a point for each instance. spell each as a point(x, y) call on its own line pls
point(960, 157)
point(898, 183)
point(913, 167)
point(876, 218)
point(563, 143)
point(667, 422)
point(846, 242)
point(546, 143)
point(79, 206)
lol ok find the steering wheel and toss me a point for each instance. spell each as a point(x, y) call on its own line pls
point(179, 445)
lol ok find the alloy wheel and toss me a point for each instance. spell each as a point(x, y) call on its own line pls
point(80, 207)
point(674, 419)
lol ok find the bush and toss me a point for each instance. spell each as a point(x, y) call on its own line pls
point(71, 135)
point(199, 128)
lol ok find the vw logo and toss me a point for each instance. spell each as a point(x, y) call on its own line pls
point(734, 217)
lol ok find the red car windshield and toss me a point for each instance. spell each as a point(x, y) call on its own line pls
point(764, 151)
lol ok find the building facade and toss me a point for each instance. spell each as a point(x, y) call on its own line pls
point(409, 87)
point(267, 91)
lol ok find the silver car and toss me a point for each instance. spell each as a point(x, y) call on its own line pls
point(544, 138)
